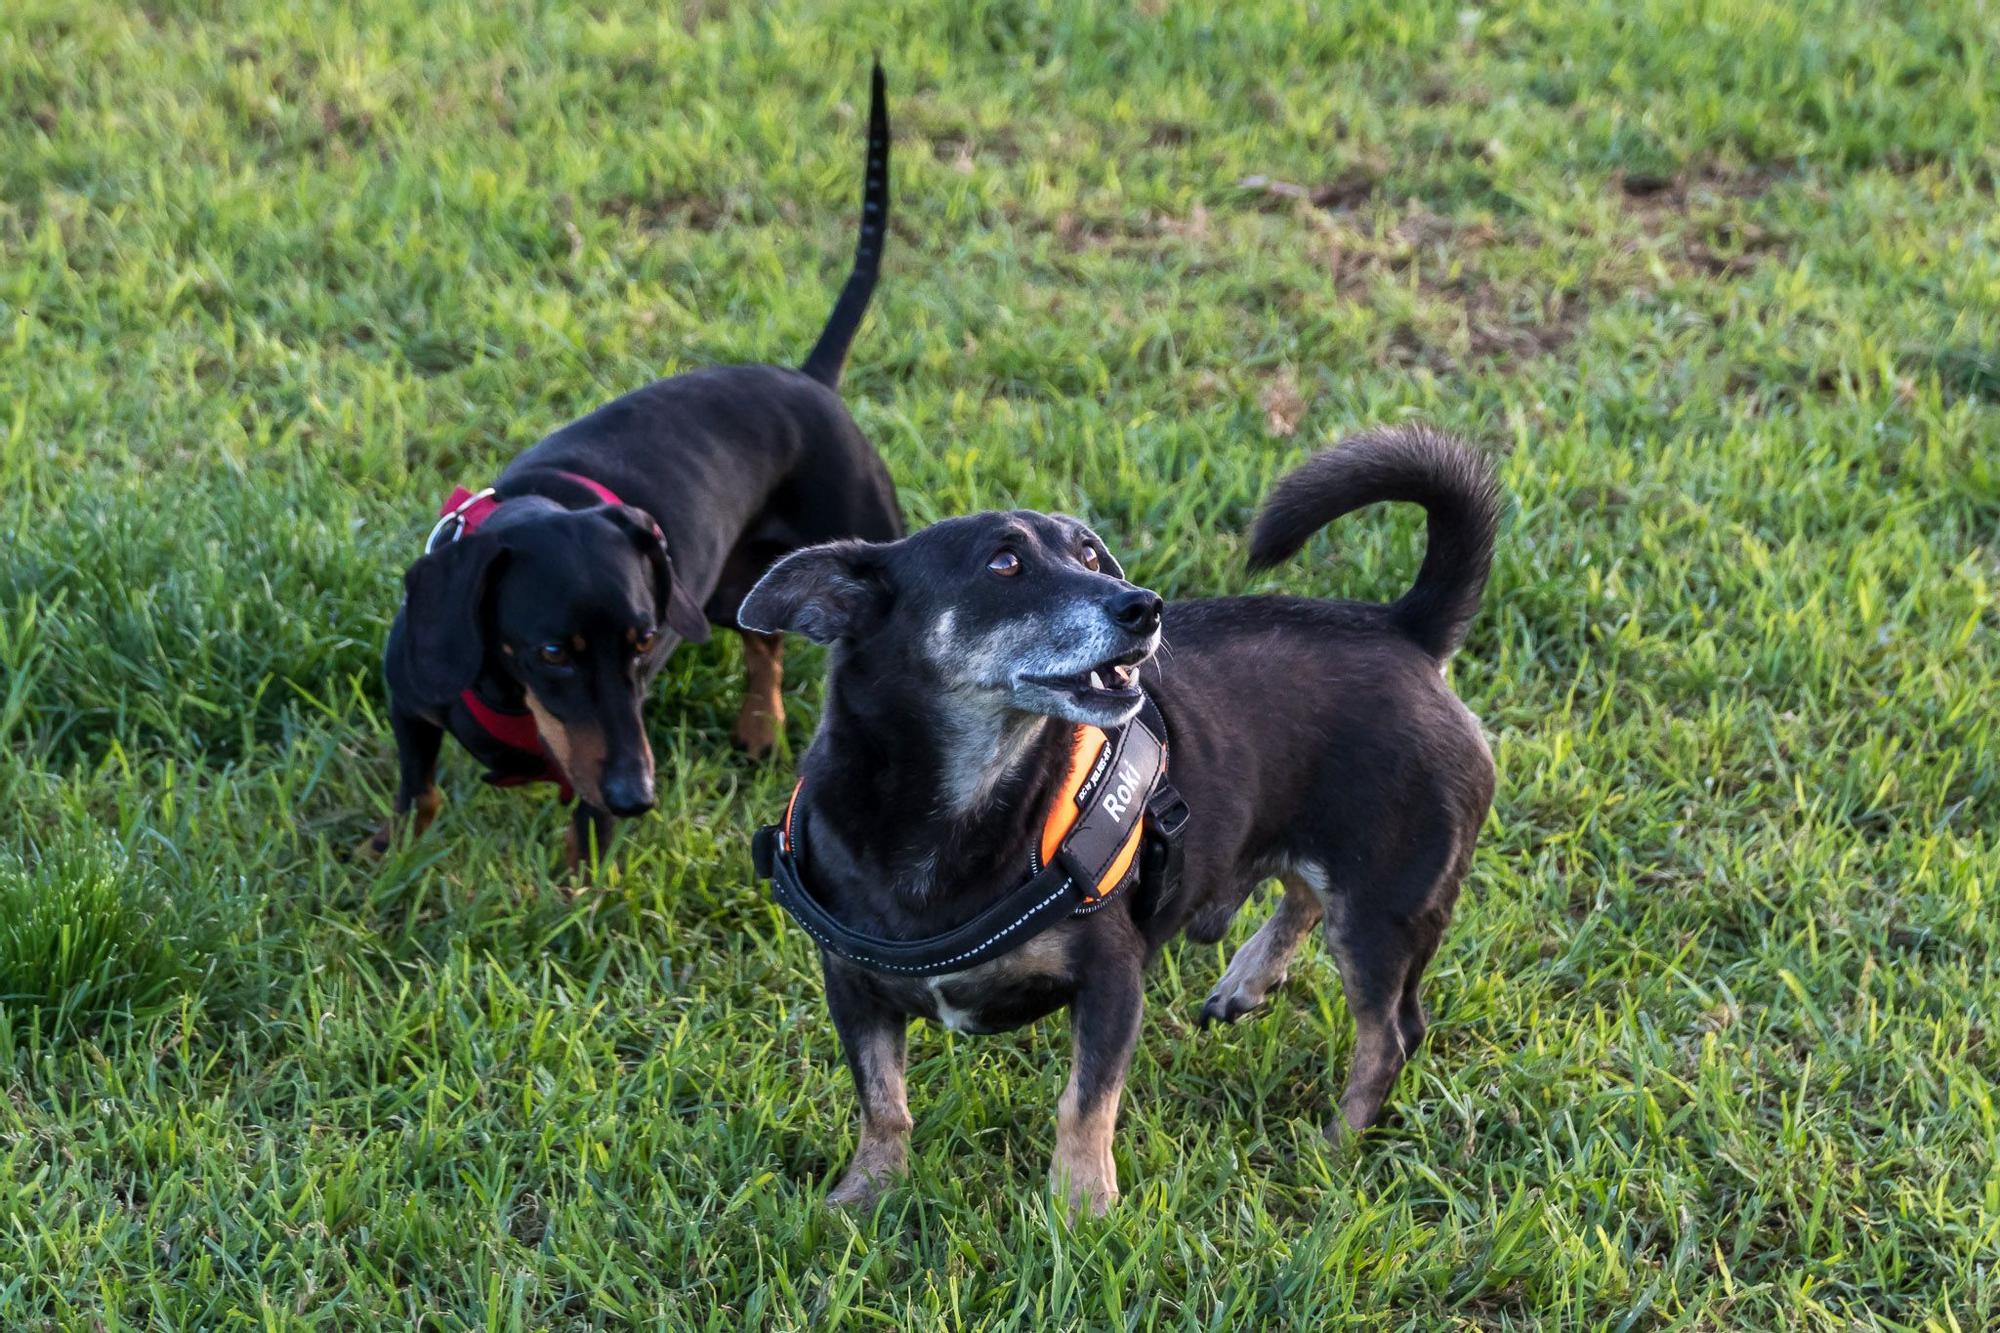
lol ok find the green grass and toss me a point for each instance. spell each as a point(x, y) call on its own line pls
point(1720, 284)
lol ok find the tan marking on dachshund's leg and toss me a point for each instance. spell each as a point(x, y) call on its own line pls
point(419, 816)
point(762, 717)
point(425, 808)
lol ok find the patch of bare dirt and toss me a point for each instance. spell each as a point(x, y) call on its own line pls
point(1282, 403)
point(683, 210)
point(1651, 192)
point(1140, 233)
point(960, 147)
point(1501, 325)
point(1701, 216)
point(1348, 190)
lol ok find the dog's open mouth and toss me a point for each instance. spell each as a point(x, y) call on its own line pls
point(1114, 679)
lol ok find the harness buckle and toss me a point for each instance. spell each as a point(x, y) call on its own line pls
point(1160, 859)
point(1166, 813)
point(764, 850)
point(453, 519)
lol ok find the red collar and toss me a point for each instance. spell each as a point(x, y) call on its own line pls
point(464, 511)
point(460, 516)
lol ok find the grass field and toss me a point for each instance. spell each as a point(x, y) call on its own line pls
point(1719, 284)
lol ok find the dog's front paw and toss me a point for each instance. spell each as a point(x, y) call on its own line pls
point(573, 862)
point(1088, 1191)
point(879, 1162)
point(859, 1188)
point(756, 736)
point(376, 844)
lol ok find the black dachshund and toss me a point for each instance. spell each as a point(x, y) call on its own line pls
point(543, 608)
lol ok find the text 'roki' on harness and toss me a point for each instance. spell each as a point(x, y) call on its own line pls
point(1114, 820)
point(460, 516)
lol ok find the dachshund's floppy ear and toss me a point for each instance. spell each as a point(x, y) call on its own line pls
point(444, 616)
point(827, 593)
point(671, 603)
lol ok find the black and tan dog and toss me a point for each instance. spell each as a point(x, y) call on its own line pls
point(544, 608)
point(1314, 741)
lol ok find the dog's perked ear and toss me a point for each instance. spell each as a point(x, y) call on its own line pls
point(1107, 562)
point(827, 593)
point(444, 615)
point(671, 602)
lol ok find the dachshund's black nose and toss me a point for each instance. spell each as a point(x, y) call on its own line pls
point(1137, 611)
point(628, 796)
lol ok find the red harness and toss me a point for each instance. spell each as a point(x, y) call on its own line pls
point(460, 516)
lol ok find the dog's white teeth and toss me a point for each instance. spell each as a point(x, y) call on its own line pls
point(1096, 681)
point(1123, 675)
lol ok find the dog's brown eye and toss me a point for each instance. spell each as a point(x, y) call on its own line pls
point(553, 654)
point(644, 644)
point(1090, 557)
point(1005, 563)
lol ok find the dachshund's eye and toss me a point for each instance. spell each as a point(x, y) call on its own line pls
point(1089, 557)
point(1005, 563)
point(553, 654)
point(644, 643)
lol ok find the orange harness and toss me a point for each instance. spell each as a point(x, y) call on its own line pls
point(1089, 748)
point(1114, 803)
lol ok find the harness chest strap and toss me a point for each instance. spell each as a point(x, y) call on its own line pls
point(1114, 800)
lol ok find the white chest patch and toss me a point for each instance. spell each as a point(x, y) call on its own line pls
point(954, 1018)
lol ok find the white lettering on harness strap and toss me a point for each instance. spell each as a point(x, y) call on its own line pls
point(1118, 800)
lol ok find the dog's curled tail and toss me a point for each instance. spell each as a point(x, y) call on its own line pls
point(1450, 479)
point(829, 354)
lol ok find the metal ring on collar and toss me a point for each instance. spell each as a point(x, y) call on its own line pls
point(456, 516)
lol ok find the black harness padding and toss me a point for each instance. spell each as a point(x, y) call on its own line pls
point(1128, 782)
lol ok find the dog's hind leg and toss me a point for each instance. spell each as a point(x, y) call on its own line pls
point(1410, 1018)
point(1374, 956)
point(1382, 956)
point(762, 716)
point(1259, 967)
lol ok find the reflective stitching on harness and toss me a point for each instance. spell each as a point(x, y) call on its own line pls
point(942, 963)
point(1088, 772)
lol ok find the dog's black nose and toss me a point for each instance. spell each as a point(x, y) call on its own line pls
point(626, 797)
point(1137, 610)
